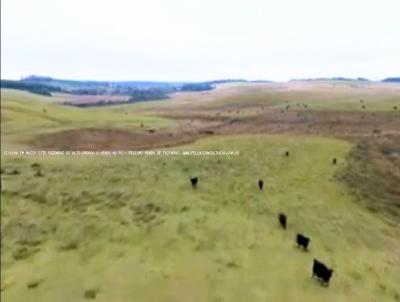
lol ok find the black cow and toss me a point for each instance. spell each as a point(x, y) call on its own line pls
point(334, 161)
point(35, 166)
point(206, 132)
point(260, 184)
point(322, 272)
point(287, 153)
point(282, 220)
point(302, 241)
point(194, 181)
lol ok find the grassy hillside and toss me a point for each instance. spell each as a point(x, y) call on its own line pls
point(133, 229)
point(24, 114)
point(321, 96)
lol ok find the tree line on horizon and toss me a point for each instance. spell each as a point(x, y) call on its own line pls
point(136, 91)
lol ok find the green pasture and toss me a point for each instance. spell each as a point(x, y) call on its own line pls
point(131, 228)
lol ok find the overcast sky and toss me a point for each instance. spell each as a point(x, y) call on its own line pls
point(200, 40)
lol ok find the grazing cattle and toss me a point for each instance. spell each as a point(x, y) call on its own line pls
point(363, 106)
point(194, 181)
point(322, 272)
point(14, 172)
point(334, 161)
point(287, 153)
point(361, 101)
point(260, 184)
point(302, 241)
point(35, 166)
point(282, 220)
point(206, 132)
point(395, 107)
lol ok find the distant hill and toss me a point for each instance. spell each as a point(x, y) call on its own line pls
point(137, 90)
point(76, 84)
point(197, 87)
point(204, 86)
point(333, 79)
point(391, 80)
point(73, 84)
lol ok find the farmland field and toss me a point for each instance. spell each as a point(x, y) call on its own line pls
point(131, 228)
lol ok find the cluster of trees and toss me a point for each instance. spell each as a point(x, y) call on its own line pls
point(96, 104)
point(334, 79)
point(89, 91)
point(119, 90)
point(31, 87)
point(197, 87)
point(137, 95)
point(392, 80)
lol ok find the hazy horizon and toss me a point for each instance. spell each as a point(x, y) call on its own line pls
point(205, 80)
point(178, 41)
